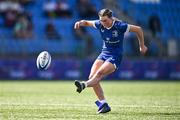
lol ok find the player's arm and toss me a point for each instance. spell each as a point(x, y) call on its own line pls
point(83, 23)
point(139, 32)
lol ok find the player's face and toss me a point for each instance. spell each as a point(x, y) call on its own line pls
point(106, 21)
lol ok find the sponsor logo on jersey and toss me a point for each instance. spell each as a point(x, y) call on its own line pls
point(115, 33)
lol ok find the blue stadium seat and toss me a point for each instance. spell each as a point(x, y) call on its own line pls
point(168, 12)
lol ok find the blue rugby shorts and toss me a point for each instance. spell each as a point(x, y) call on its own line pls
point(112, 58)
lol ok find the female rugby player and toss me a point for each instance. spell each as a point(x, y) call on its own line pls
point(112, 31)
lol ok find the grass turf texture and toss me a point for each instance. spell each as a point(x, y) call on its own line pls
point(58, 100)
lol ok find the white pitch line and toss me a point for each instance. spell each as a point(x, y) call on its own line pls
point(86, 105)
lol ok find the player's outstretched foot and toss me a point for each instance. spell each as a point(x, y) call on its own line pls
point(80, 86)
point(104, 108)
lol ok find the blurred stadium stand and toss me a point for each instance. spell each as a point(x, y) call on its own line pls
point(162, 35)
point(32, 46)
point(137, 12)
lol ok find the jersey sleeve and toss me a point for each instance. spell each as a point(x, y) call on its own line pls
point(96, 24)
point(123, 27)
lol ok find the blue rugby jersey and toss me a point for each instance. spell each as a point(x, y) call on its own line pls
point(113, 36)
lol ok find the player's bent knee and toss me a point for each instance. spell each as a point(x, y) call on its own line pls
point(99, 74)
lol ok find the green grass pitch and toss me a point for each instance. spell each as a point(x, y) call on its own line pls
point(58, 100)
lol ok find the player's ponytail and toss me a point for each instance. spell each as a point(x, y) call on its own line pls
point(105, 12)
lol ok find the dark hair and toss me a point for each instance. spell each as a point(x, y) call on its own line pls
point(105, 12)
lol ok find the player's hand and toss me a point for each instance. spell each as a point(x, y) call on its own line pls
point(77, 25)
point(143, 49)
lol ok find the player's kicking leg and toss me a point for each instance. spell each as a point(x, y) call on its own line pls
point(98, 67)
point(80, 85)
point(105, 69)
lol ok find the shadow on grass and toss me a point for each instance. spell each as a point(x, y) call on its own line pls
point(160, 113)
point(144, 113)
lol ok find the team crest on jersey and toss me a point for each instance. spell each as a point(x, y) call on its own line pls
point(114, 33)
point(107, 39)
